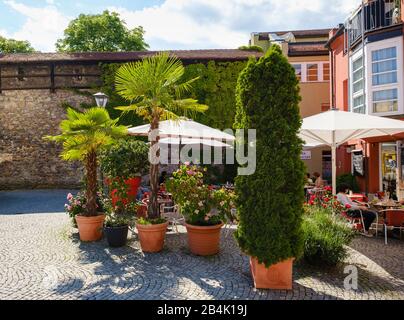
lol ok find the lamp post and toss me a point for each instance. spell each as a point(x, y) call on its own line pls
point(101, 99)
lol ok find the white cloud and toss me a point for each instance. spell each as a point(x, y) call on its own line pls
point(193, 24)
point(42, 27)
point(227, 24)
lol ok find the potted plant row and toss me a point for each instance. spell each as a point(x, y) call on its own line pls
point(83, 136)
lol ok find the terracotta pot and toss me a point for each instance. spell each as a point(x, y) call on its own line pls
point(152, 236)
point(133, 185)
point(204, 241)
point(277, 276)
point(90, 228)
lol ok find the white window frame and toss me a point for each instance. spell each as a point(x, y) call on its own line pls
point(355, 57)
point(384, 44)
point(320, 69)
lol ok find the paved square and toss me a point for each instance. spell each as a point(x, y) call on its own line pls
point(42, 258)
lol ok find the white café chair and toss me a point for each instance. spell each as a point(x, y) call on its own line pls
point(173, 215)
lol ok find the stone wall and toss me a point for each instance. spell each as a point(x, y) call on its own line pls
point(26, 160)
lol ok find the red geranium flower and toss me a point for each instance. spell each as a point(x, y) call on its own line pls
point(348, 206)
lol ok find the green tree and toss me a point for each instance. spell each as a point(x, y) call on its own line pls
point(155, 91)
point(83, 136)
point(105, 32)
point(270, 202)
point(15, 46)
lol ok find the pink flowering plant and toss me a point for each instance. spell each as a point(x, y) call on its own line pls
point(200, 205)
point(78, 204)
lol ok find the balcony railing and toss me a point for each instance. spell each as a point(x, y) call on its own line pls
point(371, 16)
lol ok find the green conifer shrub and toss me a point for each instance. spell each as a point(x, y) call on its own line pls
point(270, 202)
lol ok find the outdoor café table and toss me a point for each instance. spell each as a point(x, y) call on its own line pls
point(387, 205)
point(357, 197)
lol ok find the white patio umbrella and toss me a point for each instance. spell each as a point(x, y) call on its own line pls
point(191, 141)
point(183, 129)
point(334, 128)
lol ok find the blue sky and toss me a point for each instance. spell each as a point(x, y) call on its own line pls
point(173, 24)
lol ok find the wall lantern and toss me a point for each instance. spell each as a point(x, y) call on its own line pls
point(101, 99)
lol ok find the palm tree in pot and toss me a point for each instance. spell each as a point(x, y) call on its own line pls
point(83, 135)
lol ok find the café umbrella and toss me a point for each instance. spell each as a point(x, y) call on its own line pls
point(334, 128)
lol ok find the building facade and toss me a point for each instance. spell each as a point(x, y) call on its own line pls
point(367, 76)
point(307, 53)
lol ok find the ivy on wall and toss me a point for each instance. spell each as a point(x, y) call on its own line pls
point(215, 87)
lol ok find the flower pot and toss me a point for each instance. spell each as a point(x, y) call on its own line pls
point(116, 236)
point(90, 228)
point(277, 276)
point(133, 185)
point(204, 241)
point(152, 236)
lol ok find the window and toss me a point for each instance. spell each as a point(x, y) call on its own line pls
point(384, 66)
point(312, 72)
point(357, 69)
point(385, 100)
point(359, 104)
point(326, 72)
point(298, 70)
point(21, 74)
point(358, 99)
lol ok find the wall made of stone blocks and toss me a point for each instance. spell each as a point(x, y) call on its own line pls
point(26, 160)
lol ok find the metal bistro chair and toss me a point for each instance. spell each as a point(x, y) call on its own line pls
point(393, 219)
point(357, 223)
point(173, 215)
point(231, 222)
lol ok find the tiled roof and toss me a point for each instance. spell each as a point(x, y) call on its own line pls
point(307, 48)
point(297, 33)
point(217, 54)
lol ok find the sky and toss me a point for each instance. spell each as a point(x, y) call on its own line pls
point(173, 24)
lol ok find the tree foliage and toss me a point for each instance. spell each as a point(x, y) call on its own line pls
point(15, 46)
point(105, 32)
point(270, 202)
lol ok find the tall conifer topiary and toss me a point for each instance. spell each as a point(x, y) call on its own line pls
point(270, 202)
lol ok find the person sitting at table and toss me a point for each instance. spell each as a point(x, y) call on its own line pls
point(309, 180)
point(355, 209)
point(163, 178)
point(318, 180)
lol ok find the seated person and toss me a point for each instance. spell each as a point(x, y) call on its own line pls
point(163, 178)
point(309, 180)
point(355, 209)
point(318, 180)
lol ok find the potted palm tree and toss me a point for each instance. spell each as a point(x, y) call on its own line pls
point(83, 135)
point(270, 201)
point(154, 88)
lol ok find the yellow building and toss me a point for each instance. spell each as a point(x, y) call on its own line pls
point(307, 53)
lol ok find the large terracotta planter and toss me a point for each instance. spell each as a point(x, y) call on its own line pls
point(204, 241)
point(90, 228)
point(152, 236)
point(133, 185)
point(277, 276)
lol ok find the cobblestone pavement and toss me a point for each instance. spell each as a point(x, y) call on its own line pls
point(41, 258)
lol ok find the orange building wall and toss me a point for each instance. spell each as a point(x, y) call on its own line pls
point(340, 74)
